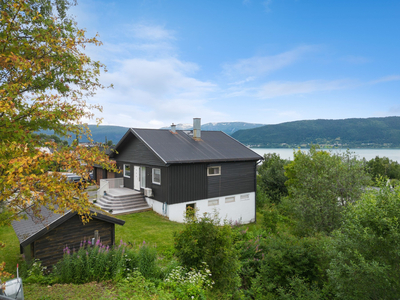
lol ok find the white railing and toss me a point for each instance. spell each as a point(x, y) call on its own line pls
point(104, 187)
point(115, 183)
point(107, 184)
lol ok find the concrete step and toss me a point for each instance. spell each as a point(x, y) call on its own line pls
point(132, 211)
point(121, 197)
point(107, 200)
point(123, 206)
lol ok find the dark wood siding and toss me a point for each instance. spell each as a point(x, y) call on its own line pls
point(188, 182)
point(235, 178)
point(49, 248)
point(128, 182)
point(134, 151)
point(160, 191)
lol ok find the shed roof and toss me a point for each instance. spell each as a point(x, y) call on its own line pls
point(31, 228)
point(180, 147)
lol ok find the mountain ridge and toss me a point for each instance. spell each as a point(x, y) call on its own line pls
point(381, 132)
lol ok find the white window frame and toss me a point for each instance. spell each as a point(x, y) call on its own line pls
point(230, 199)
point(213, 202)
point(142, 177)
point(127, 176)
point(214, 167)
point(244, 197)
point(152, 176)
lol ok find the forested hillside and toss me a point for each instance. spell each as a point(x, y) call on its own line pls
point(100, 133)
point(227, 127)
point(364, 133)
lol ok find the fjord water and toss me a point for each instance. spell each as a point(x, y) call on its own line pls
point(393, 154)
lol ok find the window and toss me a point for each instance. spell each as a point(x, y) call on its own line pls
point(142, 177)
point(156, 176)
point(127, 171)
point(229, 199)
point(244, 197)
point(213, 171)
point(191, 205)
point(213, 202)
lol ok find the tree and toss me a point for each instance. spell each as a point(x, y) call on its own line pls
point(379, 167)
point(366, 248)
point(44, 81)
point(320, 185)
point(271, 177)
point(203, 240)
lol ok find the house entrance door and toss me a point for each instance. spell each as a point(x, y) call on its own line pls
point(136, 178)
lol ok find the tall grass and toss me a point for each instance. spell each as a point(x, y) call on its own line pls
point(91, 263)
point(100, 263)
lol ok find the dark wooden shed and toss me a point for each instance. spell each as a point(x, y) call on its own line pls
point(45, 238)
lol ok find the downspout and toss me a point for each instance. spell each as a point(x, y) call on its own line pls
point(255, 191)
point(164, 208)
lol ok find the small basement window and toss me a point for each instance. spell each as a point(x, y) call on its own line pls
point(127, 170)
point(214, 171)
point(213, 202)
point(156, 176)
point(229, 199)
point(244, 197)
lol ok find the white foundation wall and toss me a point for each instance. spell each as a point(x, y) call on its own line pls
point(234, 208)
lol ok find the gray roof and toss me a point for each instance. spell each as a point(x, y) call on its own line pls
point(214, 146)
point(31, 228)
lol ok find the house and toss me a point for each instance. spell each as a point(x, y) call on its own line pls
point(45, 238)
point(176, 169)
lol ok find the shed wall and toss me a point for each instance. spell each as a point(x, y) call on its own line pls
point(49, 248)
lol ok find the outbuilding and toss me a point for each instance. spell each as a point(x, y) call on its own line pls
point(44, 238)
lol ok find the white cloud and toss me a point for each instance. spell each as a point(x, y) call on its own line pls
point(386, 79)
point(267, 5)
point(260, 65)
point(151, 32)
point(357, 60)
point(277, 88)
point(154, 93)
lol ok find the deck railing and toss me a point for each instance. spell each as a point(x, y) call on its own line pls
point(104, 187)
point(107, 184)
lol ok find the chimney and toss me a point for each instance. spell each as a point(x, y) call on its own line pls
point(197, 129)
point(173, 128)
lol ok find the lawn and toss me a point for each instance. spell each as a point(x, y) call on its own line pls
point(149, 227)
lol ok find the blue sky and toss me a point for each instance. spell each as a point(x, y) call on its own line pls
point(254, 61)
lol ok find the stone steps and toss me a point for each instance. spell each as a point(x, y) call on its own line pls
point(123, 204)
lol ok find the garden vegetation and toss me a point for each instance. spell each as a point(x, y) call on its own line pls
point(322, 234)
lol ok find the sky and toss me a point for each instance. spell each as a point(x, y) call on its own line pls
point(268, 61)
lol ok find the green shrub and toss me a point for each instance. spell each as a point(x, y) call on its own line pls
point(284, 257)
point(365, 250)
point(300, 289)
point(250, 255)
point(271, 218)
point(203, 240)
point(136, 287)
point(189, 284)
point(34, 272)
point(147, 261)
